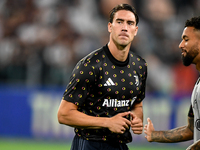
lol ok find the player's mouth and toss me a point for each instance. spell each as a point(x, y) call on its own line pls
point(184, 52)
point(124, 35)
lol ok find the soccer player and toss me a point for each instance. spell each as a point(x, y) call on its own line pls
point(190, 46)
point(103, 99)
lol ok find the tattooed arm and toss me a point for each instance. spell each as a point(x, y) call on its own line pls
point(179, 134)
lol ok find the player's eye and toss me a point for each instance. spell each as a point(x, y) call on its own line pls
point(130, 23)
point(119, 22)
point(186, 40)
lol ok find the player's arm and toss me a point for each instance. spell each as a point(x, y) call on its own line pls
point(137, 118)
point(69, 115)
point(137, 109)
point(179, 134)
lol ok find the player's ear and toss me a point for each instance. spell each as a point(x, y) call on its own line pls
point(109, 27)
point(136, 30)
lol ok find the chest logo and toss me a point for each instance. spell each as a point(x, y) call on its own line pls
point(109, 82)
point(115, 103)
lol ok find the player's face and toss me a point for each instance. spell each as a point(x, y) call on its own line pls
point(190, 46)
point(123, 29)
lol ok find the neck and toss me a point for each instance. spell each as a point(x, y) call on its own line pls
point(119, 52)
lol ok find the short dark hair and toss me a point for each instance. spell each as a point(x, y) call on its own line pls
point(193, 22)
point(123, 7)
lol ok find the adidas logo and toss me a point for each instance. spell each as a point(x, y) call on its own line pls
point(109, 82)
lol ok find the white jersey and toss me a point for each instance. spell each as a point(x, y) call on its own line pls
point(195, 100)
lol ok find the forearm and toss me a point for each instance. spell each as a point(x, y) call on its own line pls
point(80, 120)
point(172, 136)
point(138, 110)
point(137, 119)
point(69, 115)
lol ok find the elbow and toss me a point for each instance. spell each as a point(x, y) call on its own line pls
point(63, 119)
point(60, 118)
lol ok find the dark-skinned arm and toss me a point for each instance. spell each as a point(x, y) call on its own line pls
point(179, 134)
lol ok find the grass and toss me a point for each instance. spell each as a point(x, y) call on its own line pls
point(25, 144)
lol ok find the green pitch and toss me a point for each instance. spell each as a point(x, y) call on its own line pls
point(24, 144)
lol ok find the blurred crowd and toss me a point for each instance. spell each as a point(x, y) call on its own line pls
point(42, 40)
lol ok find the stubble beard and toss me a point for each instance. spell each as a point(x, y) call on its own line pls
point(189, 57)
point(187, 60)
point(120, 45)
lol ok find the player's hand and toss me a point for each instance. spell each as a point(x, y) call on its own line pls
point(118, 123)
point(148, 128)
point(136, 124)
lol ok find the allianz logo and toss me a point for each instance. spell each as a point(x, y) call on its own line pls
point(115, 103)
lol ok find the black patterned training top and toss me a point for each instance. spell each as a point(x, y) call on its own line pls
point(102, 86)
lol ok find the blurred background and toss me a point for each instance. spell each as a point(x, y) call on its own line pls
point(42, 40)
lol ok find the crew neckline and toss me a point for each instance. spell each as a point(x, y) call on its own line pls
point(113, 59)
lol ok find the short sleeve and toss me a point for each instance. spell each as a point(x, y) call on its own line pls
point(81, 82)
